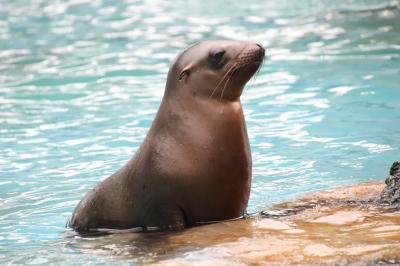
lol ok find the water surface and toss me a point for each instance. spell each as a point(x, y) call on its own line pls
point(81, 81)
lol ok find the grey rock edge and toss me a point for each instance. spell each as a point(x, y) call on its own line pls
point(391, 193)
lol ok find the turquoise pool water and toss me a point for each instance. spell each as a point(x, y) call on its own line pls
point(81, 81)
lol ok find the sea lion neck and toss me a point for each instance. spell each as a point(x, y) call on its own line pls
point(206, 106)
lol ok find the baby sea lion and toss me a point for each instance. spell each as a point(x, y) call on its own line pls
point(194, 166)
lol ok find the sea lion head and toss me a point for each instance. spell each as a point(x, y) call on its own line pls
point(215, 69)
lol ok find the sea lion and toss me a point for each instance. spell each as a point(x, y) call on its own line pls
point(194, 166)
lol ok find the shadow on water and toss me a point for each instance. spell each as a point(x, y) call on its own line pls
point(343, 226)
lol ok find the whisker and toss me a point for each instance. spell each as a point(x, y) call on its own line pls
point(223, 78)
point(223, 89)
point(222, 93)
point(255, 76)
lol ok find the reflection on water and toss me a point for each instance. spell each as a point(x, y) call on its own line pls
point(81, 81)
point(336, 227)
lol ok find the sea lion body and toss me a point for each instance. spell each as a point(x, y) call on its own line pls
point(194, 165)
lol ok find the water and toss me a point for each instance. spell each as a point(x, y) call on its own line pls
point(81, 81)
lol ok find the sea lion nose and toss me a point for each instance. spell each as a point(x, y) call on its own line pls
point(261, 49)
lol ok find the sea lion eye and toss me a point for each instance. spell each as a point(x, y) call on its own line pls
point(217, 57)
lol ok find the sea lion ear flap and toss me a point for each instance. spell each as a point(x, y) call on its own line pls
point(185, 72)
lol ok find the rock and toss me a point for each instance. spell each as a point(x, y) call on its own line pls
point(391, 193)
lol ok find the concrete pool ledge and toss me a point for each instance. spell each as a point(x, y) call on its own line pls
point(343, 226)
